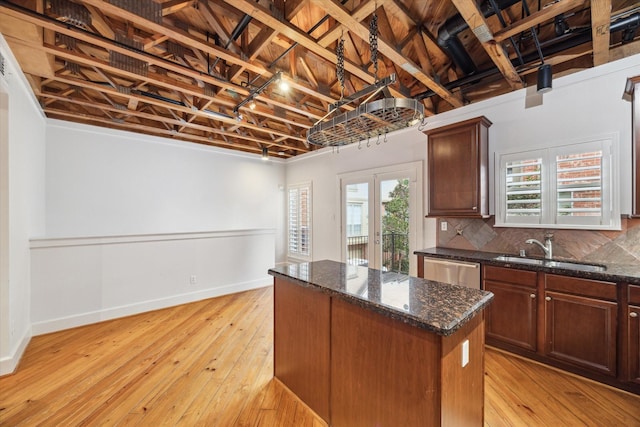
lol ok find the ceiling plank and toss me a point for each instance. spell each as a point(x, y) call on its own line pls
point(164, 133)
point(100, 23)
point(538, 17)
point(359, 14)
point(387, 49)
point(177, 34)
point(154, 60)
point(263, 15)
point(476, 21)
point(600, 21)
point(173, 6)
point(154, 117)
point(210, 17)
point(308, 72)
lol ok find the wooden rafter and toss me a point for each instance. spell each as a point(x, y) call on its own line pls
point(600, 21)
point(536, 18)
point(388, 50)
point(478, 24)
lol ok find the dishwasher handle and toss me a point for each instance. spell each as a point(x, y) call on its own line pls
point(453, 263)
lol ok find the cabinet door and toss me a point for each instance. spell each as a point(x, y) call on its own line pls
point(581, 331)
point(458, 168)
point(633, 319)
point(511, 317)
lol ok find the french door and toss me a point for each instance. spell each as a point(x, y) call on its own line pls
point(381, 225)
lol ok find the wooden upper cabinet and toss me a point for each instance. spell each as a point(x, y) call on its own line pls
point(458, 162)
point(633, 89)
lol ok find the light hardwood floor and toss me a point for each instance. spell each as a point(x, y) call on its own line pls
point(210, 363)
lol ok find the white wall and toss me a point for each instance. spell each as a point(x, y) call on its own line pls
point(103, 182)
point(22, 206)
point(86, 280)
point(580, 105)
point(323, 167)
point(130, 218)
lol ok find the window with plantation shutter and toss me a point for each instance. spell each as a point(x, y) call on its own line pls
point(567, 186)
point(523, 186)
point(299, 220)
point(582, 185)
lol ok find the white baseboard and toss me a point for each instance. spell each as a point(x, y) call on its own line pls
point(9, 364)
point(82, 319)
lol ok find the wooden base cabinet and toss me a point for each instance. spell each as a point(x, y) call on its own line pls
point(581, 331)
point(355, 367)
point(568, 322)
point(302, 343)
point(511, 319)
point(581, 322)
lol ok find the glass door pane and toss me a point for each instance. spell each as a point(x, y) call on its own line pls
point(357, 223)
point(393, 231)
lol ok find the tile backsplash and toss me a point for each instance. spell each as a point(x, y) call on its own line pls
point(582, 245)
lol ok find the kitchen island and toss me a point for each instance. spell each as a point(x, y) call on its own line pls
point(365, 347)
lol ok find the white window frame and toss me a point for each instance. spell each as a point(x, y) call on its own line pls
point(297, 253)
point(610, 218)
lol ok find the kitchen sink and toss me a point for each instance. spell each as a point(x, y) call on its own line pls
point(520, 260)
point(551, 263)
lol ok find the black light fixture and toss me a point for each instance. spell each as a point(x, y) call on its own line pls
point(265, 153)
point(544, 78)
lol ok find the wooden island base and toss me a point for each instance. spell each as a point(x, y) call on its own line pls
point(356, 367)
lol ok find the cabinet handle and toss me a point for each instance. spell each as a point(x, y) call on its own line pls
point(532, 296)
point(547, 298)
point(633, 314)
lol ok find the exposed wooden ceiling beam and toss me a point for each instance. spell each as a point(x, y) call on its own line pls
point(600, 21)
point(477, 23)
point(168, 133)
point(153, 60)
point(538, 17)
point(387, 49)
point(263, 15)
point(365, 9)
point(155, 117)
point(210, 17)
point(173, 6)
point(176, 34)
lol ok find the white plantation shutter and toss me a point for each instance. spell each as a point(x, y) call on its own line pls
point(524, 189)
point(299, 220)
point(582, 184)
point(569, 186)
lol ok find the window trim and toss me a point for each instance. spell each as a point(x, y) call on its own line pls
point(610, 218)
point(298, 255)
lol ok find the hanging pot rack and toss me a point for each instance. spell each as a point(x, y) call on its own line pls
point(368, 120)
point(371, 119)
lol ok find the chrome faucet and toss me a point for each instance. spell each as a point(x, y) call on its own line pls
point(547, 247)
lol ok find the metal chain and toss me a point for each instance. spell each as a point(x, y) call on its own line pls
point(373, 43)
point(340, 65)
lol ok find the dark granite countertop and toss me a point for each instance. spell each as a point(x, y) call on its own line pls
point(618, 273)
point(434, 306)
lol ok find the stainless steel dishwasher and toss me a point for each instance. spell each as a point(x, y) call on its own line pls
point(453, 272)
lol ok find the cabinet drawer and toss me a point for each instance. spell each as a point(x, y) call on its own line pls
point(510, 275)
point(634, 294)
point(586, 287)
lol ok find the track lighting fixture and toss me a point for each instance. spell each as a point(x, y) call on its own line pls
point(277, 77)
